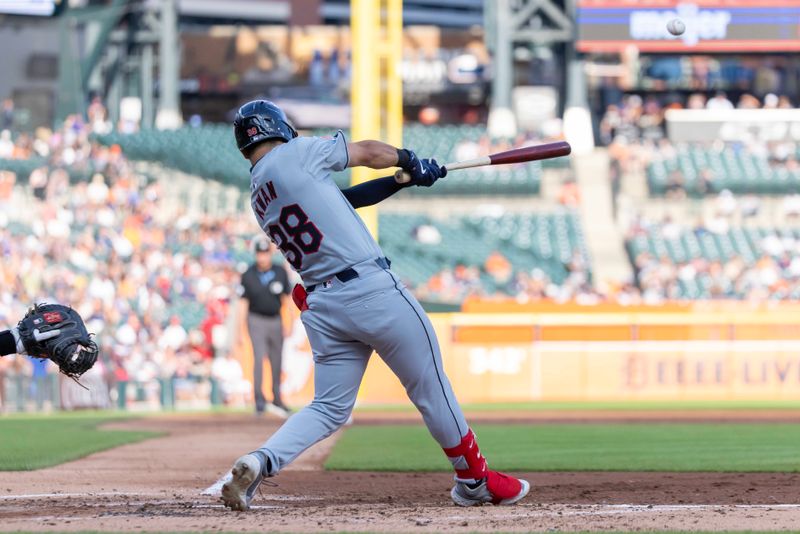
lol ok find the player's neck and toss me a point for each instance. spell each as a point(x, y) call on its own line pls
point(262, 150)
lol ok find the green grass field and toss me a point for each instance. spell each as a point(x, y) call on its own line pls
point(581, 447)
point(43, 441)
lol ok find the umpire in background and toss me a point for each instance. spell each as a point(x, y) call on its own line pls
point(263, 290)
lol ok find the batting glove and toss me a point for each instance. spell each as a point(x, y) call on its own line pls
point(429, 172)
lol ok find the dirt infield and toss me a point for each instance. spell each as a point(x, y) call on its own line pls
point(157, 485)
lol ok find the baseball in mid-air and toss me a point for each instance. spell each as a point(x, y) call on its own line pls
point(676, 27)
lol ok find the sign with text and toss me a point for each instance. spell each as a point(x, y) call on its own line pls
point(606, 26)
point(689, 125)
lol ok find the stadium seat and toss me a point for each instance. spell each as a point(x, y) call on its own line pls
point(733, 168)
point(545, 242)
point(209, 151)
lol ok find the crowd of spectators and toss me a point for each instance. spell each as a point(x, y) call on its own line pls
point(153, 281)
point(498, 279)
point(634, 129)
point(635, 134)
point(774, 274)
point(636, 120)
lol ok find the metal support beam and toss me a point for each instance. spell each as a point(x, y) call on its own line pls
point(108, 21)
point(509, 22)
point(147, 88)
point(70, 95)
point(501, 119)
point(100, 54)
point(169, 113)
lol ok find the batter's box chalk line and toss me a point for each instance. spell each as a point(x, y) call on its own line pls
point(558, 510)
point(55, 495)
point(215, 490)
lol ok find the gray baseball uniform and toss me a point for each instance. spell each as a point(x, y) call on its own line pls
point(303, 211)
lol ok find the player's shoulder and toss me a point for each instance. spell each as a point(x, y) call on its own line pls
point(311, 141)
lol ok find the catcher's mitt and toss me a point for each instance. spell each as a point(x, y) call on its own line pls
point(57, 332)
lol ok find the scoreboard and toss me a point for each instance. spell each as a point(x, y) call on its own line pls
point(711, 25)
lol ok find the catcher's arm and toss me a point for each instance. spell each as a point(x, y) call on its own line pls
point(10, 342)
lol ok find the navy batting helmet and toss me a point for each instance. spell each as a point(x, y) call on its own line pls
point(261, 120)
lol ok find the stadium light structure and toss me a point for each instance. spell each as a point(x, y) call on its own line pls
point(577, 117)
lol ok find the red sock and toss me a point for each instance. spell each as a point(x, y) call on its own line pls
point(467, 460)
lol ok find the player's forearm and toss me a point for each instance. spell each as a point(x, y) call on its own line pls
point(8, 344)
point(371, 192)
point(372, 154)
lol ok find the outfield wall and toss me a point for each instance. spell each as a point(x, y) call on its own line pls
point(685, 355)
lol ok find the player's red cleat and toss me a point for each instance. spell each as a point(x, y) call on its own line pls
point(476, 483)
point(496, 488)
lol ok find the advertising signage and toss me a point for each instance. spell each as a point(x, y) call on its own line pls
point(711, 25)
point(33, 8)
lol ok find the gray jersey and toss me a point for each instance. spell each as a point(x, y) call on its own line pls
point(305, 214)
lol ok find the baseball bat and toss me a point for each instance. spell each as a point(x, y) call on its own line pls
point(517, 155)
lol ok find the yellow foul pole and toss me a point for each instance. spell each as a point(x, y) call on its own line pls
point(376, 92)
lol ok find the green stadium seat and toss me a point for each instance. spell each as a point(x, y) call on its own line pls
point(210, 152)
point(529, 242)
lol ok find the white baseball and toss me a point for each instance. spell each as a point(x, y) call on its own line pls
point(676, 27)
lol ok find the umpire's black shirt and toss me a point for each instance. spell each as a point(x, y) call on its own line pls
point(263, 290)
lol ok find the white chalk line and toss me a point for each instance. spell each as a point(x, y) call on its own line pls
point(27, 496)
point(627, 509)
point(216, 488)
point(578, 508)
point(82, 494)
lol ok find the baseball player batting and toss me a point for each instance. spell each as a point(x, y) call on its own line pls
point(352, 303)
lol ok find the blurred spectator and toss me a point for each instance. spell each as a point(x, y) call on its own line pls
point(498, 267)
point(316, 69)
point(174, 335)
point(7, 114)
point(570, 194)
point(6, 145)
point(98, 116)
point(427, 234)
point(97, 191)
point(227, 371)
point(719, 101)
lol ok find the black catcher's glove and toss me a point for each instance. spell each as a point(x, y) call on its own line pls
point(57, 332)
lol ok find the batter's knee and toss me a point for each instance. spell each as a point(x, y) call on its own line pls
point(335, 413)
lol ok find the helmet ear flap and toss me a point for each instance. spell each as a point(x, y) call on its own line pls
point(291, 129)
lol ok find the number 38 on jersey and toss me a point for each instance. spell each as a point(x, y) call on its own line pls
point(294, 234)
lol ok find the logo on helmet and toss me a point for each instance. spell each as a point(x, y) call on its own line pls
point(252, 131)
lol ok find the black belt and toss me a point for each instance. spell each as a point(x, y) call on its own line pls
point(351, 274)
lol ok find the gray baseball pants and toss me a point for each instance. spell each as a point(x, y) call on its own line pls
point(266, 334)
point(345, 322)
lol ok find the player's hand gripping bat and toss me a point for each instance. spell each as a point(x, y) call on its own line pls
point(517, 155)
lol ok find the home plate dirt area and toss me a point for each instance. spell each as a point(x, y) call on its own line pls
point(158, 484)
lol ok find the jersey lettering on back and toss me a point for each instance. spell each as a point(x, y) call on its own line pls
point(264, 195)
point(300, 208)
